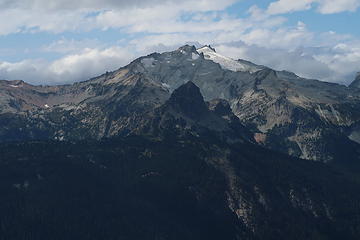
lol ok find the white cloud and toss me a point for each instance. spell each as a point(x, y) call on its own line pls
point(66, 46)
point(64, 15)
point(343, 58)
point(76, 67)
point(323, 6)
point(37, 20)
point(338, 63)
point(281, 38)
point(285, 6)
point(79, 4)
point(336, 6)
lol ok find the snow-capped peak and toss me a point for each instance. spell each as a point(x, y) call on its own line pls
point(226, 62)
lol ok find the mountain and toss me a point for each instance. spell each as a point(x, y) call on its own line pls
point(183, 173)
point(300, 117)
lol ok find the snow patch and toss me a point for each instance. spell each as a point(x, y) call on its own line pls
point(226, 62)
point(165, 85)
point(14, 86)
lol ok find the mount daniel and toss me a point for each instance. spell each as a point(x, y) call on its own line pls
point(187, 144)
point(305, 118)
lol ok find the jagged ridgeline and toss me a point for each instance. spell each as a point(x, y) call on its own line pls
point(186, 144)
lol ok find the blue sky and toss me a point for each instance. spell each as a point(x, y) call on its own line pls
point(343, 22)
point(62, 41)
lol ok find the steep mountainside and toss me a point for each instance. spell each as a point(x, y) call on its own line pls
point(175, 177)
point(301, 117)
point(356, 82)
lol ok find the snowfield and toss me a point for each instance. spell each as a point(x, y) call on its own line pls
point(226, 62)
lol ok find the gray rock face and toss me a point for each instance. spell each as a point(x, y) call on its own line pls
point(356, 82)
point(301, 117)
point(188, 100)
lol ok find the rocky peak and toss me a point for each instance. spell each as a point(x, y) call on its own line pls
point(356, 82)
point(187, 49)
point(188, 100)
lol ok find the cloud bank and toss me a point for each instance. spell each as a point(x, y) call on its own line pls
point(75, 67)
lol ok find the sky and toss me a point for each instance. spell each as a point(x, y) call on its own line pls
point(63, 41)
